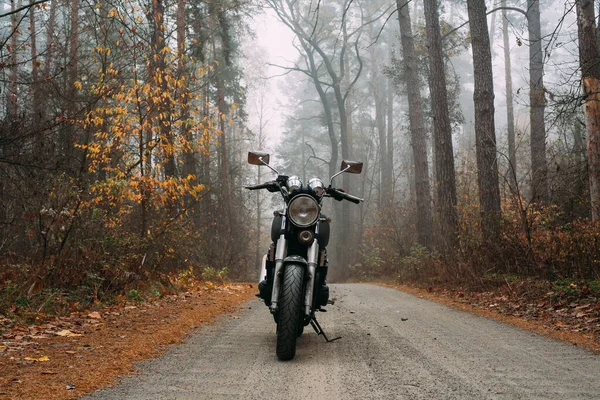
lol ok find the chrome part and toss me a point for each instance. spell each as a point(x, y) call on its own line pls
point(339, 173)
point(322, 258)
point(303, 210)
point(312, 256)
point(317, 186)
point(306, 237)
point(280, 253)
point(293, 183)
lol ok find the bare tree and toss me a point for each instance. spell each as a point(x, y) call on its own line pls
point(510, 117)
point(589, 58)
point(442, 130)
point(485, 136)
point(417, 126)
point(537, 99)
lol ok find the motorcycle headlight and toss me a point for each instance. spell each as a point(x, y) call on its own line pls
point(303, 211)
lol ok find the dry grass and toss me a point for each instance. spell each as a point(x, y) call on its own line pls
point(545, 324)
point(110, 347)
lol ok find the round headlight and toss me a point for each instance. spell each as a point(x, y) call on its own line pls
point(317, 186)
point(303, 211)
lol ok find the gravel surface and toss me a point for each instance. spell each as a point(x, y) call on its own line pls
point(393, 346)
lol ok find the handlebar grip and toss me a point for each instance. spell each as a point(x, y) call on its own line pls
point(340, 195)
point(259, 186)
point(353, 199)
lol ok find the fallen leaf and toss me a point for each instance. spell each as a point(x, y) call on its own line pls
point(43, 358)
point(67, 333)
point(94, 315)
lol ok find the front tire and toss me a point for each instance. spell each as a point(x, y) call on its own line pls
point(290, 311)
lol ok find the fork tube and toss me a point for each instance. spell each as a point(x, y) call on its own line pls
point(280, 254)
point(313, 257)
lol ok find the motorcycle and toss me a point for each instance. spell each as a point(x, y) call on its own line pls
point(294, 286)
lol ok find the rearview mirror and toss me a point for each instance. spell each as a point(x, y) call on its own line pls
point(353, 167)
point(258, 158)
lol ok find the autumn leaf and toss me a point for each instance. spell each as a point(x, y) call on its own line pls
point(40, 359)
point(95, 315)
point(67, 333)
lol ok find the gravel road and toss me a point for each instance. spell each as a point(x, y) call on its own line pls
point(393, 346)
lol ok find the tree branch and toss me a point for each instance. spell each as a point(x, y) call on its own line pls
point(35, 3)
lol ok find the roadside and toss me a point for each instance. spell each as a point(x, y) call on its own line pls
point(570, 312)
point(66, 357)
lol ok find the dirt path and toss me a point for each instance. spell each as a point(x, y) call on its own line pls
point(394, 346)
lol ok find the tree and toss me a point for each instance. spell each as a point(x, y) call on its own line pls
point(442, 130)
point(312, 32)
point(589, 59)
point(537, 102)
point(417, 126)
point(485, 136)
point(510, 118)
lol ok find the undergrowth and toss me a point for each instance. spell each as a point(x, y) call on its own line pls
point(535, 243)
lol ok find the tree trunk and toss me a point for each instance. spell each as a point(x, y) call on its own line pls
point(68, 135)
point(36, 86)
point(162, 117)
point(537, 99)
point(589, 58)
point(442, 130)
point(485, 136)
point(50, 40)
point(333, 160)
point(510, 118)
point(189, 152)
point(12, 109)
point(224, 166)
point(378, 98)
point(390, 134)
point(417, 127)
point(492, 31)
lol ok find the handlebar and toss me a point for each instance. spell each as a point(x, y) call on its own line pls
point(340, 195)
point(271, 186)
point(258, 186)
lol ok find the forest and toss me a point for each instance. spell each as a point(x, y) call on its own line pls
point(125, 127)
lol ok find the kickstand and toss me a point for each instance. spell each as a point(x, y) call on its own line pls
point(315, 324)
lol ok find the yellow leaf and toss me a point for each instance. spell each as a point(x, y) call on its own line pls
point(40, 359)
point(67, 333)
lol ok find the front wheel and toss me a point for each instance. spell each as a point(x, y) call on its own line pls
point(290, 311)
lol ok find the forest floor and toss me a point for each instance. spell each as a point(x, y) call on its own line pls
point(66, 357)
point(568, 312)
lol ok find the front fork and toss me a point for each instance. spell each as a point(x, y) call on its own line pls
point(312, 260)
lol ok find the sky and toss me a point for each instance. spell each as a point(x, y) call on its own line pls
point(272, 45)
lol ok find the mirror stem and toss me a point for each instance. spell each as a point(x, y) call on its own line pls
point(339, 173)
point(264, 163)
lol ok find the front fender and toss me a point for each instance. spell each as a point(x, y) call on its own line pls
point(295, 259)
